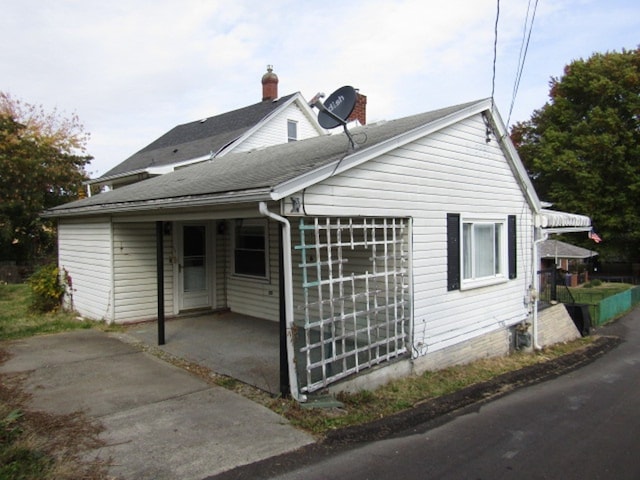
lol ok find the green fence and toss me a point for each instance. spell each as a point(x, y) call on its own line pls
point(614, 306)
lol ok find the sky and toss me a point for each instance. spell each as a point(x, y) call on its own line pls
point(133, 69)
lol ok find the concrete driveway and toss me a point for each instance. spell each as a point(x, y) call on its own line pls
point(161, 422)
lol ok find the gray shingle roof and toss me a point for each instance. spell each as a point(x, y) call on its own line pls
point(556, 248)
point(257, 171)
point(196, 139)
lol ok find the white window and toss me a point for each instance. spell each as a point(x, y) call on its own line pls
point(484, 252)
point(292, 130)
point(250, 248)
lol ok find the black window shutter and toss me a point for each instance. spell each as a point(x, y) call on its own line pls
point(453, 251)
point(512, 245)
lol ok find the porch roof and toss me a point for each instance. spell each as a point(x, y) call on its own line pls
point(254, 175)
point(558, 249)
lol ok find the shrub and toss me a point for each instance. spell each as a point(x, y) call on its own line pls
point(47, 288)
point(596, 282)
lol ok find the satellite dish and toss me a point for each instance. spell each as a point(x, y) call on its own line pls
point(337, 107)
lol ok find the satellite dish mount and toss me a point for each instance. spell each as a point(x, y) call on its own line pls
point(336, 109)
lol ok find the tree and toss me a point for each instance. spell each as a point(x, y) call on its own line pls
point(582, 148)
point(42, 160)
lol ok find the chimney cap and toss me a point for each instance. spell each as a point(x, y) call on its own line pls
point(269, 85)
point(269, 77)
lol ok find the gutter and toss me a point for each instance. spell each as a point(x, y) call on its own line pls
point(122, 207)
point(536, 288)
point(288, 296)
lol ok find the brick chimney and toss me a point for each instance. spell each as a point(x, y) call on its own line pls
point(360, 110)
point(269, 85)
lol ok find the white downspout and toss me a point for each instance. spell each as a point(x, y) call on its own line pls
point(535, 282)
point(288, 297)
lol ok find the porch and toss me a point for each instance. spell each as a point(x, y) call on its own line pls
point(239, 346)
point(341, 306)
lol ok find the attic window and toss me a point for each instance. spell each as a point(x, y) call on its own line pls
point(292, 130)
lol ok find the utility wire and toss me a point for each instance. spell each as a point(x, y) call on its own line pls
point(495, 54)
point(524, 47)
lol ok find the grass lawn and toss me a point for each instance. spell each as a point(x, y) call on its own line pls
point(593, 294)
point(18, 321)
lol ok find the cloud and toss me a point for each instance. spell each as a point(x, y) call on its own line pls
point(133, 70)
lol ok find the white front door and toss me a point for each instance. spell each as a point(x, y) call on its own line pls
point(194, 265)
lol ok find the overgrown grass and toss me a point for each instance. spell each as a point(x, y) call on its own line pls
point(365, 406)
point(17, 320)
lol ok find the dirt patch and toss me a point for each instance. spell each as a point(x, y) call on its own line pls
point(39, 445)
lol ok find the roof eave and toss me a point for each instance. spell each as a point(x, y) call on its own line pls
point(571, 257)
point(223, 198)
point(110, 178)
point(511, 153)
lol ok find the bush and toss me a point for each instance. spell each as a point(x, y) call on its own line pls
point(47, 288)
point(596, 282)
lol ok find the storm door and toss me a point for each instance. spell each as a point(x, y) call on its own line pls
point(194, 266)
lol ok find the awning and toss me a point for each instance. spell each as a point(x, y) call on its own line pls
point(553, 221)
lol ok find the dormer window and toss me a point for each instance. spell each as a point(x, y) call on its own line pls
point(292, 130)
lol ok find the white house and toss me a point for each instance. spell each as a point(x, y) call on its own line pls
point(271, 121)
point(413, 250)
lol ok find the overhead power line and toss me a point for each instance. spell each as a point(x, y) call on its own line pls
point(524, 47)
point(495, 54)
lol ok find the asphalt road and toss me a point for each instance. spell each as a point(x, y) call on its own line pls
point(581, 425)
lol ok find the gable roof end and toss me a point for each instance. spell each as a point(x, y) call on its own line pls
point(195, 139)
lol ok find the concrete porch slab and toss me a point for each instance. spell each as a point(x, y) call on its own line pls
point(242, 347)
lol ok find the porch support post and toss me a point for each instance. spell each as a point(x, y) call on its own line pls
point(285, 384)
point(160, 279)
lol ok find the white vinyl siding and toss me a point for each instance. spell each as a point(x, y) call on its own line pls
point(453, 170)
point(135, 279)
point(275, 131)
point(254, 296)
point(85, 252)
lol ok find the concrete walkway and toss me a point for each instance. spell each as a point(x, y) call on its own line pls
point(161, 422)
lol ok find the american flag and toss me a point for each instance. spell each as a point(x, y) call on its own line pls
point(594, 236)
